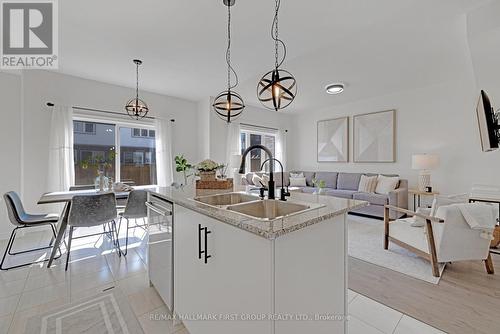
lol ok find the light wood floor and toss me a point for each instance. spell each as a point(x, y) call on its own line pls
point(466, 301)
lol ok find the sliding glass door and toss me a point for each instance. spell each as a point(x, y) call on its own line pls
point(126, 154)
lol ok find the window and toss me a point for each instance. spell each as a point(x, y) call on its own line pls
point(254, 136)
point(93, 152)
point(138, 156)
point(136, 132)
point(126, 154)
point(84, 127)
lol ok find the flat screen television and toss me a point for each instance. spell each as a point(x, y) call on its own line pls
point(488, 123)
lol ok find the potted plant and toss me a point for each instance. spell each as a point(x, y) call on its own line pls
point(321, 185)
point(183, 166)
point(207, 170)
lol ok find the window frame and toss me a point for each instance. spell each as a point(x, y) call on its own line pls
point(118, 126)
point(256, 130)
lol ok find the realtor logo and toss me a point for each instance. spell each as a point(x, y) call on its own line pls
point(29, 34)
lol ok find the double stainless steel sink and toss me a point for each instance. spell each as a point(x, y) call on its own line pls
point(253, 207)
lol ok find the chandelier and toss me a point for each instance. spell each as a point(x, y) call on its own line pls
point(137, 108)
point(277, 88)
point(228, 105)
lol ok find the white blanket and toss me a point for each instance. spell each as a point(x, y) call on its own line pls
point(478, 216)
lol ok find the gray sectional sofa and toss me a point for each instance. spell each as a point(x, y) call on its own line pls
point(345, 185)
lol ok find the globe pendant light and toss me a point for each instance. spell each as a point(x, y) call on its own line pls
point(277, 88)
point(137, 108)
point(228, 105)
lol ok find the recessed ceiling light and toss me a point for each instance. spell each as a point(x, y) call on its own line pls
point(335, 88)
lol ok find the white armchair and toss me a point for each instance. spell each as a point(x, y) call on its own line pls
point(446, 239)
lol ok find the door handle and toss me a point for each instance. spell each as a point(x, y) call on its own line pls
point(207, 256)
point(203, 252)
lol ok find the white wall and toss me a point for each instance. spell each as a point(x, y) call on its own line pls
point(10, 143)
point(483, 29)
point(438, 119)
point(42, 86)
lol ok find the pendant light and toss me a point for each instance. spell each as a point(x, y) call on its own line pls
point(229, 104)
point(137, 108)
point(277, 88)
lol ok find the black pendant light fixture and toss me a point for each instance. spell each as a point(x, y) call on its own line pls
point(228, 105)
point(277, 88)
point(137, 108)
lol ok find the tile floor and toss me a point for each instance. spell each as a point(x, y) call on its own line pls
point(94, 266)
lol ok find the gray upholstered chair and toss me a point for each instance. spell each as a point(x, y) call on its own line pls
point(135, 209)
point(89, 211)
point(20, 219)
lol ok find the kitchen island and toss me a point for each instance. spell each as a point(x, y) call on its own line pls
point(234, 272)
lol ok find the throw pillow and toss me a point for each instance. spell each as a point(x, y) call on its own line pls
point(386, 184)
point(257, 180)
point(367, 184)
point(445, 200)
point(298, 182)
point(265, 180)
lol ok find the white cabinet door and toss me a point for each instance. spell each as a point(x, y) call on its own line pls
point(236, 281)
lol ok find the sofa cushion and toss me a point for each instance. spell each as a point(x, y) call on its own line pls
point(376, 199)
point(341, 193)
point(348, 181)
point(330, 178)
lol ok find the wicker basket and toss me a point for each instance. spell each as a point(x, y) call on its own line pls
point(208, 176)
point(496, 234)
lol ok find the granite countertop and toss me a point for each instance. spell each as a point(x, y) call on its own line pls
point(322, 208)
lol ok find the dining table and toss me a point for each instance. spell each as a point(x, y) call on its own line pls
point(66, 197)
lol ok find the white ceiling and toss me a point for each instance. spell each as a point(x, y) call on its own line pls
point(376, 47)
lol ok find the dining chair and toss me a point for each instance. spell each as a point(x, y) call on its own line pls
point(89, 211)
point(134, 209)
point(21, 220)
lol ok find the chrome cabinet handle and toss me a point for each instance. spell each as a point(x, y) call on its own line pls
point(159, 209)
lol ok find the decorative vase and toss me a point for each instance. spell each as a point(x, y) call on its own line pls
point(101, 181)
point(208, 176)
point(322, 191)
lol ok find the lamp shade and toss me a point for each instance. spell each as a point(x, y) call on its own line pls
point(424, 161)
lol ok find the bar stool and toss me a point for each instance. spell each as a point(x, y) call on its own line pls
point(135, 209)
point(89, 211)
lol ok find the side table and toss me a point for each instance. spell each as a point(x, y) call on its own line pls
point(417, 194)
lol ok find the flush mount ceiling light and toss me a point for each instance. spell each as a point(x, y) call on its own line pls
point(137, 108)
point(277, 88)
point(335, 88)
point(228, 105)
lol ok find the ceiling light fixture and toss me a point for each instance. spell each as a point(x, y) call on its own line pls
point(228, 105)
point(277, 88)
point(137, 108)
point(335, 88)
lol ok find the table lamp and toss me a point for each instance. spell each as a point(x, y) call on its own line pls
point(425, 163)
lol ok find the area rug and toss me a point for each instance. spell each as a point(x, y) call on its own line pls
point(108, 312)
point(366, 237)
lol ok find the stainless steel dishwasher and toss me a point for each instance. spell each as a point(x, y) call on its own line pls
point(161, 247)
